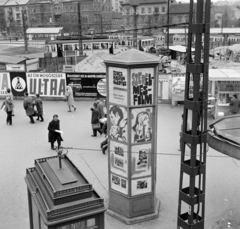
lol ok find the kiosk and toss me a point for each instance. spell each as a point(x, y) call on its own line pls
point(59, 196)
point(132, 81)
point(224, 83)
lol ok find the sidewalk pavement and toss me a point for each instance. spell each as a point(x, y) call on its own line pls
point(22, 143)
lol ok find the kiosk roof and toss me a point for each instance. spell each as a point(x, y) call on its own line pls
point(133, 56)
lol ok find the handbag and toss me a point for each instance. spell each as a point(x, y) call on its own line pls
point(95, 126)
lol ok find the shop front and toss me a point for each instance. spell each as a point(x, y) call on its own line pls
point(223, 84)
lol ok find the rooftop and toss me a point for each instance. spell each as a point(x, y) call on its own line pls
point(16, 2)
point(144, 2)
point(180, 8)
point(11, 59)
point(132, 57)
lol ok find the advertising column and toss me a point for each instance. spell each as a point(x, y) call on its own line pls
point(132, 106)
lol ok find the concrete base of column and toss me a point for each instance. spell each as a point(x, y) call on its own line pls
point(137, 219)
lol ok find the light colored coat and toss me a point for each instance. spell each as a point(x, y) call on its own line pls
point(69, 95)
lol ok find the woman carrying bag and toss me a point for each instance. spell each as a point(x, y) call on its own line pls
point(8, 107)
point(95, 120)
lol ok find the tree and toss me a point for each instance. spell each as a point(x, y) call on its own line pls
point(225, 17)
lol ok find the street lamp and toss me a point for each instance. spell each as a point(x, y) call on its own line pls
point(101, 2)
point(91, 31)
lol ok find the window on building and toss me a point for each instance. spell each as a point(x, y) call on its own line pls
point(149, 10)
point(156, 10)
point(17, 15)
point(17, 8)
point(143, 10)
point(163, 9)
point(128, 11)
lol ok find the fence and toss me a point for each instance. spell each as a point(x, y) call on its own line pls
point(55, 64)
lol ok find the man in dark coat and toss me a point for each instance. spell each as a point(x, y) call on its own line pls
point(95, 120)
point(39, 106)
point(54, 133)
point(234, 105)
point(29, 107)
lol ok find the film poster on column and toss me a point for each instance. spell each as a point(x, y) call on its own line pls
point(142, 94)
point(118, 148)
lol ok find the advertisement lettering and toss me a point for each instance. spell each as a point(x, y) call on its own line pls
point(46, 84)
point(142, 81)
point(4, 83)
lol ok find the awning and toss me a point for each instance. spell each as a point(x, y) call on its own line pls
point(224, 74)
point(179, 48)
point(54, 30)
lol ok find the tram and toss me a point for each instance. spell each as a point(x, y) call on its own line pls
point(65, 47)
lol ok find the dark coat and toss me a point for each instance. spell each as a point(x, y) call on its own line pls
point(39, 106)
point(28, 106)
point(95, 116)
point(52, 135)
point(100, 108)
point(234, 106)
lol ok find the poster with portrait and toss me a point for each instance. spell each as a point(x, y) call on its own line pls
point(142, 86)
point(118, 158)
point(141, 160)
point(118, 123)
point(119, 184)
point(141, 186)
point(118, 85)
point(141, 124)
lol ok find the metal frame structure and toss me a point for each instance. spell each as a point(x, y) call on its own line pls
point(191, 205)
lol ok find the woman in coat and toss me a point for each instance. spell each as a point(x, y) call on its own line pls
point(70, 99)
point(9, 93)
point(39, 106)
point(29, 107)
point(8, 108)
point(54, 133)
point(95, 120)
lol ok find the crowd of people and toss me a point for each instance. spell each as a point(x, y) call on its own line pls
point(33, 107)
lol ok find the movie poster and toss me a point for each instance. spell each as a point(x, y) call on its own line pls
point(119, 184)
point(141, 160)
point(142, 86)
point(4, 83)
point(141, 124)
point(141, 186)
point(118, 123)
point(118, 158)
point(118, 85)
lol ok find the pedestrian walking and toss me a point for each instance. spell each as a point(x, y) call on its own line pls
point(8, 106)
point(100, 110)
point(9, 93)
point(70, 99)
point(39, 106)
point(29, 107)
point(103, 121)
point(95, 120)
point(54, 133)
point(234, 105)
point(104, 145)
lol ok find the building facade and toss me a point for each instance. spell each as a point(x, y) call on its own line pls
point(95, 15)
point(149, 13)
point(13, 17)
point(117, 21)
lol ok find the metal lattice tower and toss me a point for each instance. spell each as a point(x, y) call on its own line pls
point(191, 205)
